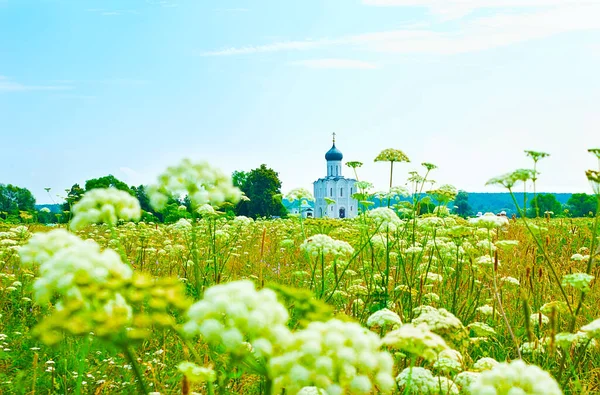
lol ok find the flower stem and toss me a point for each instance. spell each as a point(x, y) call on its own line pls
point(136, 370)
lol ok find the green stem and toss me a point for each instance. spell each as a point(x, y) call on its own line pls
point(391, 175)
point(136, 370)
point(544, 253)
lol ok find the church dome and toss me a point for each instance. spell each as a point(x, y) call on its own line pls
point(334, 154)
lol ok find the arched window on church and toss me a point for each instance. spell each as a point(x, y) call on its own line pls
point(350, 208)
point(350, 191)
point(341, 192)
point(331, 192)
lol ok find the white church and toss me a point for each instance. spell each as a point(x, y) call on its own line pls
point(336, 187)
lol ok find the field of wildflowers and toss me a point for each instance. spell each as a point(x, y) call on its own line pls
point(388, 302)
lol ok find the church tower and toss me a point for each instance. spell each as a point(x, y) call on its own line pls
point(335, 187)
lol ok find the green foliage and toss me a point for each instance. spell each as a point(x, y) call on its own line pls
point(581, 205)
point(14, 199)
point(263, 187)
point(73, 196)
point(107, 182)
point(545, 202)
point(461, 203)
point(239, 178)
point(302, 305)
point(148, 212)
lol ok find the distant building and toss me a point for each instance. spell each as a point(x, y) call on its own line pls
point(335, 187)
point(305, 207)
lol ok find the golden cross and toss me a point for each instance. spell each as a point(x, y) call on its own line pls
point(333, 137)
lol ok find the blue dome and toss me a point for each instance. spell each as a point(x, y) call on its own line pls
point(333, 154)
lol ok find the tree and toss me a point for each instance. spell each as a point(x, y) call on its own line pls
point(582, 204)
point(461, 203)
point(544, 202)
point(148, 212)
point(263, 187)
point(107, 182)
point(239, 178)
point(14, 199)
point(73, 196)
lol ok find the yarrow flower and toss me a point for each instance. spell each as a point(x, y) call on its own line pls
point(465, 379)
point(323, 244)
point(481, 329)
point(579, 281)
point(384, 319)
point(510, 179)
point(339, 357)
point(510, 280)
point(447, 365)
point(516, 377)
point(391, 155)
point(592, 330)
point(202, 183)
point(197, 374)
point(489, 221)
point(418, 380)
point(485, 363)
point(299, 194)
point(385, 218)
point(234, 313)
point(442, 322)
point(312, 391)
point(537, 318)
point(106, 205)
point(67, 261)
point(416, 340)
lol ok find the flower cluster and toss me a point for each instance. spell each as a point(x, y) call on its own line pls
point(339, 357)
point(106, 205)
point(299, 194)
point(442, 322)
point(66, 262)
point(385, 218)
point(391, 155)
point(509, 180)
point(323, 244)
point(489, 221)
point(416, 340)
point(444, 194)
point(232, 314)
point(579, 281)
point(592, 330)
point(197, 374)
point(516, 377)
point(417, 380)
point(384, 319)
point(202, 184)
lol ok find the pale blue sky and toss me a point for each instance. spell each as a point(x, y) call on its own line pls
point(128, 87)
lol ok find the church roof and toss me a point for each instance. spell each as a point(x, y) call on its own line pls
point(334, 178)
point(333, 154)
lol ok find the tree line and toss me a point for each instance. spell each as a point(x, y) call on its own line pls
point(261, 187)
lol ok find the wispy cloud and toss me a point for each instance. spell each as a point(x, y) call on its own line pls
point(107, 81)
point(163, 3)
point(9, 85)
point(107, 12)
point(274, 47)
point(458, 8)
point(335, 64)
point(472, 35)
point(232, 9)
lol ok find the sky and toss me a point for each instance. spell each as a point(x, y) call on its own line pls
point(129, 87)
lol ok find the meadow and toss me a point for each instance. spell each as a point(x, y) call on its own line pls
point(388, 302)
